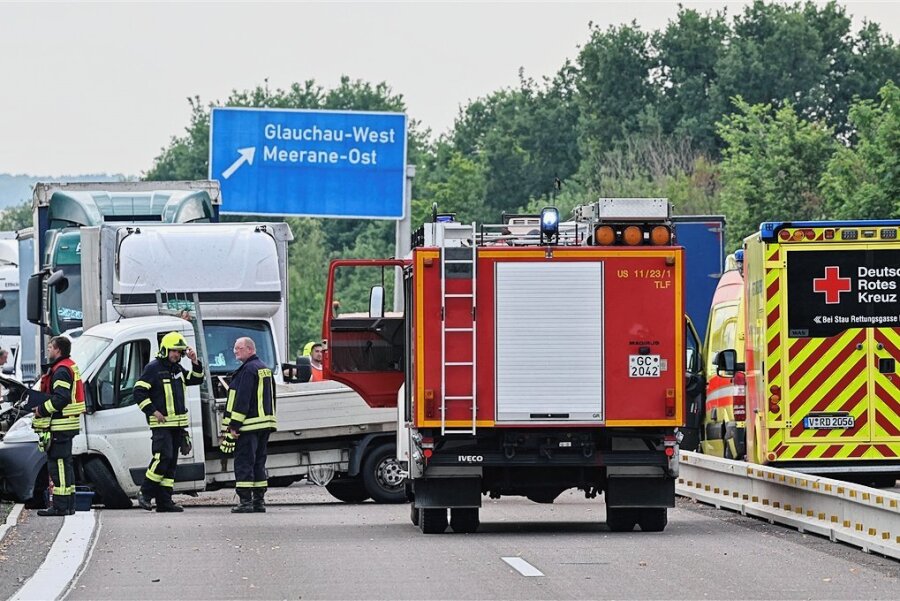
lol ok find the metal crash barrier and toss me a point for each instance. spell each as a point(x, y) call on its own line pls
point(851, 513)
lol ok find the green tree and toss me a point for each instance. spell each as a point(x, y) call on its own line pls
point(772, 164)
point(863, 182)
point(616, 96)
point(687, 52)
point(804, 53)
point(16, 217)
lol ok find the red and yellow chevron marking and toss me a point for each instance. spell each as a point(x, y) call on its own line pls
point(773, 323)
point(886, 389)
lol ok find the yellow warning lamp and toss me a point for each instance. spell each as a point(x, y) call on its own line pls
point(632, 235)
point(604, 235)
point(660, 235)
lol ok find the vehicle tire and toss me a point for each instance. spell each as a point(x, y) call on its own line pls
point(37, 500)
point(413, 514)
point(621, 519)
point(382, 475)
point(102, 481)
point(348, 490)
point(464, 520)
point(653, 520)
point(543, 496)
point(433, 520)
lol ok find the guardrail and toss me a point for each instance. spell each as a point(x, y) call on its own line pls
point(851, 513)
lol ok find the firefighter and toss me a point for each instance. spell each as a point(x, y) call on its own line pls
point(249, 418)
point(161, 394)
point(57, 420)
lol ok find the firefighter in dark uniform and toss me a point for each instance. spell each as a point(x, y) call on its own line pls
point(161, 394)
point(249, 418)
point(57, 420)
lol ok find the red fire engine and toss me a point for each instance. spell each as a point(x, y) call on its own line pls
point(529, 360)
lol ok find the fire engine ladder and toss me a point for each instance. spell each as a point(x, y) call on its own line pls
point(461, 256)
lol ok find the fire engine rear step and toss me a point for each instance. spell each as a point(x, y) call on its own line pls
point(464, 235)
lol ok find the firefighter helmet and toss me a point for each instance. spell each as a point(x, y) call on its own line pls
point(173, 341)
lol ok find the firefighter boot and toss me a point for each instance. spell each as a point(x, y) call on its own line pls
point(245, 504)
point(71, 506)
point(259, 500)
point(53, 511)
point(165, 504)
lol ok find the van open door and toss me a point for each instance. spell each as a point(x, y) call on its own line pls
point(364, 328)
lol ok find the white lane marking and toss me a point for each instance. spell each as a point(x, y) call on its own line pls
point(522, 567)
point(11, 520)
point(66, 555)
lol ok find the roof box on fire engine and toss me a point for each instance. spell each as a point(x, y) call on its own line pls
point(227, 264)
point(624, 209)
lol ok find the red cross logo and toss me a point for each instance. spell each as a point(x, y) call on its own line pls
point(832, 285)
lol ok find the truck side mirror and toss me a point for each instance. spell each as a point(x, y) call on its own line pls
point(727, 363)
point(376, 302)
point(58, 281)
point(34, 305)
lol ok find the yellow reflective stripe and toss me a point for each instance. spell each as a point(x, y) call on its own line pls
point(197, 374)
point(40, 423)
point(48, 406)
point(243, 485)
point(61, 467)
point(261, 484)
point(170, 398)
point(144, 403)
point(65, 424)
point(238, 416)
point(167, 482)
point(151, 471)
point(62, 384)
point(143, 384)
point(73, 409)
point(260, 387)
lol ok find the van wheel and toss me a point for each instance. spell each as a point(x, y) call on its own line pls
point(621, 519)
point(348, 490)
point(382, 475)
point(433, 520)
point(103, 482)
point(653, 520)
point(464, 519)
point(37, 500)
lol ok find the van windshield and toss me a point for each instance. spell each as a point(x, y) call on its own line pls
point(221, 336)
point(86, 348)
point(9, 314)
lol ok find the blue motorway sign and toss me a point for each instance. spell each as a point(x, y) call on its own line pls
point(317, 163)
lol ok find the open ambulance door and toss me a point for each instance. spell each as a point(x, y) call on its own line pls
point(364, 340)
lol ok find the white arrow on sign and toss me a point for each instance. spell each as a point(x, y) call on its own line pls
point(246, 157)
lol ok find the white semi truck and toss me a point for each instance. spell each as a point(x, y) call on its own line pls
point(231, 278)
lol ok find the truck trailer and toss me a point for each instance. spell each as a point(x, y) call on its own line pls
point(529, 364)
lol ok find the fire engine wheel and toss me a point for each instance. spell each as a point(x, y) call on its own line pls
point(464, 519)
point(653, 520)
point(382, 475)
point(621, 519)
point(433, 520)
point(347, 490)
point(104, 484)
point(413, 514)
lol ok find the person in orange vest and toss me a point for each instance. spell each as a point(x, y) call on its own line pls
point(57, 420)
point(315, 362)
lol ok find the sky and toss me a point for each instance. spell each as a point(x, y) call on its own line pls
point(102, 87)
